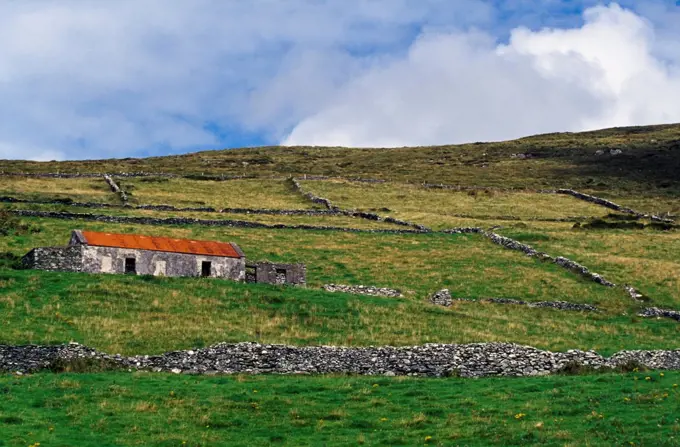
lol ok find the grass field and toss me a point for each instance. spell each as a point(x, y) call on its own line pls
point(428, 206)
point(247, 193)
point(418, 264)
point(322, 220)
point(76, 189)
point(147, 315)
point(635, 409)
point(648, 259)
point(120, 314)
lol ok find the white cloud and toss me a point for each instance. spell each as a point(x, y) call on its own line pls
point(455, 87)
point(91, 79)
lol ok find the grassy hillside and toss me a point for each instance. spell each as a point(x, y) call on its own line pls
point(648, 164)
point(145, 315)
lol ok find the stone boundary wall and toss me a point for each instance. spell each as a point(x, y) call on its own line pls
point(430, 360)
point(566, 263)
point(85, 174)
point(312, 197)
point(559, 305)
point(369, 216)
point(115, 188)
point(363, 290)
point(443, 298)
point(655, 312)
point(162, 207)
point(611, 205)
point(205, 222)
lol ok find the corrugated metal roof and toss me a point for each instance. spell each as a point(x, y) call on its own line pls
point(156, 243)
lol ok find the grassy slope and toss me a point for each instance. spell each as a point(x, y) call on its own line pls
point(649, 162)
point(418, 264)
point(151, 315)
point(160, 409)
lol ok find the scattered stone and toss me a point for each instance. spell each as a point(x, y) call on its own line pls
point(655, 312)
point(364, 290)
point(442, 298)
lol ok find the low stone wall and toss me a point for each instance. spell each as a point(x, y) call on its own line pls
point(434, 360)
point(163, 207)
point(443, 298)
point(655, 312)
point(364, 290)
point(611, 205)
point(204, 222)
point(85, 174)
point(312, 197)
point(369, 216)
point(115, 188)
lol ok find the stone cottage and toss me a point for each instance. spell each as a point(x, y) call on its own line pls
point(95, 252)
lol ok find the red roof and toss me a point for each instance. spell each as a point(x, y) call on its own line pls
point(155, 243)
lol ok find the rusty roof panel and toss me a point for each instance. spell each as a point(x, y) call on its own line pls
point(156, 243)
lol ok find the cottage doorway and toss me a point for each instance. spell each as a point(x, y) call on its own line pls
point(206, 267)
point(131, 266)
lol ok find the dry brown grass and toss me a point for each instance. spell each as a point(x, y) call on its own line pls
point(247, 193)
point(404, 200)
point(77, 189)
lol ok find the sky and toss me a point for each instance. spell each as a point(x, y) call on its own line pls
point(84, 79)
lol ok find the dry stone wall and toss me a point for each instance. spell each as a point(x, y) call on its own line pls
point(611, 205)
point(655, 312)
point(443, 298)
point(434, 360)
point(163, 207)
point(115, 188)
point(204, 222)
point(364, 290)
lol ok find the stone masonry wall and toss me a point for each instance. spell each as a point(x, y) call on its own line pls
point(435, 360)
point(159, 263)
point(68, 259)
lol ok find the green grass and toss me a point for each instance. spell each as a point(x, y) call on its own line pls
point(429, 206)
point(248, 193)
point(319, 220)
point(144, 315)
point(647, 259)
point(160, 409)
point(75, 189)
point(418, 264)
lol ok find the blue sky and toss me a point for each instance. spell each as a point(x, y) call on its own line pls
point(91, 79)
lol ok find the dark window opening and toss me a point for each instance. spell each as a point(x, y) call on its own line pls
point(131, 266)
point(251, 273)
point(280, 276)
point(205, 268)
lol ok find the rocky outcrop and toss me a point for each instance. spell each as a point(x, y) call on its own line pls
point(435, 360)
point(655, 312)
point(442, 298)
point(364, 290)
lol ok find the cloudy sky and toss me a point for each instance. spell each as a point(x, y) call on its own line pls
point(94, 79)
